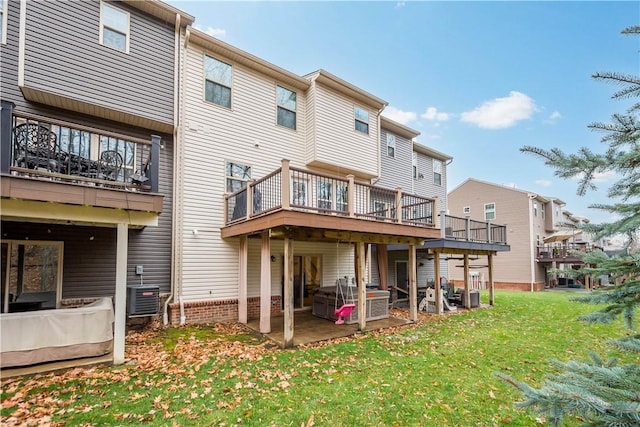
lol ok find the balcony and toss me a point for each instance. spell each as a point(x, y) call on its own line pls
point(568, 253)
point(290, 197)
point(47, 160)
point(469, 230)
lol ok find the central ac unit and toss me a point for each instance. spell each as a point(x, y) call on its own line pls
point(143, 300)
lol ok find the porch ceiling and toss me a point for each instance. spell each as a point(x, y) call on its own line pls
point(318, 227)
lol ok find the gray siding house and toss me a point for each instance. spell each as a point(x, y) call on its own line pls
point(89, 100)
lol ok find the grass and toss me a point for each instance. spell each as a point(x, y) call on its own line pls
point(438, 372)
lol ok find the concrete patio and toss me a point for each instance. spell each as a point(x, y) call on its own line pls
point(310, 329)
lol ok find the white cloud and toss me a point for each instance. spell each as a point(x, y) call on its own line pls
point(501, 113)
point(544, 182)
point(555, 115)
point(213, 32)
point(400, 4)
point(604, 176)
point(432, 113)
point(403, 117)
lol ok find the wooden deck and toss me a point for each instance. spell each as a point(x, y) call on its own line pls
point(311, 329)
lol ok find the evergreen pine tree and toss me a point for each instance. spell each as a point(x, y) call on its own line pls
point(597, 392)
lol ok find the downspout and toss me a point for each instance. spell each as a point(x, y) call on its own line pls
point(176, 117)
point(531, 247)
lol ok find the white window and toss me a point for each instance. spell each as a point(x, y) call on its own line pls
point(542, 210)
point(237, 176)
point(114, 27)
point(414, 165)
point(342, 198)
point(299, 193)
point(3, 21)
point(489, 211)
point(535, 209)
point(287, 104)
point(361, 119)
point(325, 195)
point(217, 81)
point(31, 275)
point(391, 145)
point(437, 172)
point(466, 209)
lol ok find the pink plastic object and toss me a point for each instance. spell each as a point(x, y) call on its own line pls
point(344, 311)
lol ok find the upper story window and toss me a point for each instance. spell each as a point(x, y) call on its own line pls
point(362, 119)
point(437, 172)
point(217, 83)
point(237, 176)
point(489, 211)
point(542, 210)
point(3, 21)
point(466, 209)
point(287, 104)
point(535, 209)
point(391, 145)
point(114, 27)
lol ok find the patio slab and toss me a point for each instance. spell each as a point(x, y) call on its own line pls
point(311, 329)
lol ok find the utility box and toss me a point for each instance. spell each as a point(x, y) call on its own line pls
point(143, 300)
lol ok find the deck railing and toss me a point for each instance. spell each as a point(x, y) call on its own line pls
point(55, 150)
point(297, 189)
point(467, 229)
point(562, 251)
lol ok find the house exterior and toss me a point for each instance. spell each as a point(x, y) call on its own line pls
point(410, 165)
point(537, 230)
point(279, 188)
point(89, 113)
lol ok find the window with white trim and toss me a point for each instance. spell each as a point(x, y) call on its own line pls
point(217, 81)
point(437, 172)
point(466, 209)
point(342, 198)
point(286, 101)
point(325, 195)
point(299, 193)
point(535, 209)
point(3, 21)
point(391, 145)
point(361, 119)
point(542, 210)
point(237, 176)
point(114, 27)
point(489, 211)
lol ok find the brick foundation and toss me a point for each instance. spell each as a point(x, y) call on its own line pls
point(220, 310)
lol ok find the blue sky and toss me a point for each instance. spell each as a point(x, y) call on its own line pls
point(479, 80)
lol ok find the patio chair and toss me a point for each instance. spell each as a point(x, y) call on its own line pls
point(36, 147)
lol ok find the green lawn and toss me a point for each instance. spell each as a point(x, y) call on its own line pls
point(438, 372)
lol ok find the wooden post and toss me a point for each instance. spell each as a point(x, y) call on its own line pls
point(351, 192)
point(265, 284)
point(285, 185)
point(288, 293)
point(436, 267)
point(398, 205)
point(467, 294)
point(120, 300)
point(154, 169)
point(249, 207)
point(491, 290)
point(413, 286)
point(6, 124)
point(362, 296)
point(243, 256)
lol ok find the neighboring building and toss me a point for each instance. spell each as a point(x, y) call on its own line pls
point(89, 101)
point(538, 233)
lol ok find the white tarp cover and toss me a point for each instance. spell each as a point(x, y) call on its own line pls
point(90, 324)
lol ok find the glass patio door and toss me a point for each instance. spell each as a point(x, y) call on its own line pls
point(31, 275)
point(307, 276)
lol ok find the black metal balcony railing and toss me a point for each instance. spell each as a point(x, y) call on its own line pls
point(562, 252)
point(467, 229)
point(61, 151)
point(302, 190)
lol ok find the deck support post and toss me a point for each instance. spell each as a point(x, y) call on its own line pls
point(288, 293)
point(120, 303)
point(362, 295)
point(436, 269)
point(265, 284)
point(243, 255)
point(413, 285)
point(467, 293)
point(491, 289)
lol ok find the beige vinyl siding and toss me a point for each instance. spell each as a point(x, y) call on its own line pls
point(396, 171)
point(336, 142)
point(213, 135)
point(512, 208)
point(425, 187)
